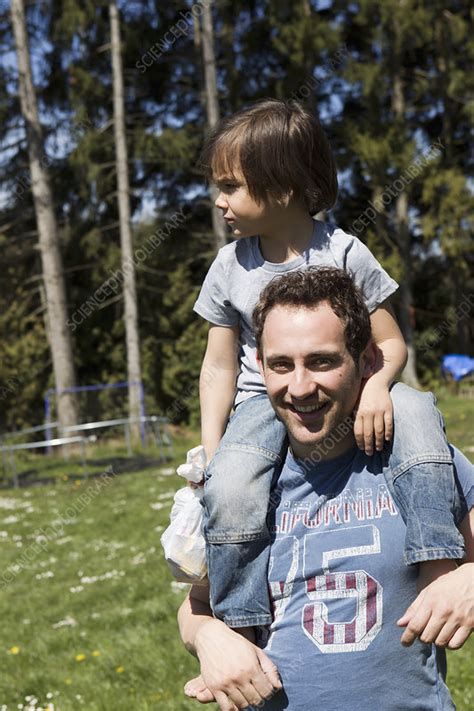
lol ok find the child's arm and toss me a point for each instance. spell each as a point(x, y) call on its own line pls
point(217, 384)
point(375, 412)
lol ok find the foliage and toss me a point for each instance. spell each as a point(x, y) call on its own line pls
point(338, 57)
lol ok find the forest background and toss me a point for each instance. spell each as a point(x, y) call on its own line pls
point(393, 84)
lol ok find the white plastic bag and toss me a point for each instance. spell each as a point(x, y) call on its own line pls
point(193, 470)
point(183, 542)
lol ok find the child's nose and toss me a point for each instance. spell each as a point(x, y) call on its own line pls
point(220, 201)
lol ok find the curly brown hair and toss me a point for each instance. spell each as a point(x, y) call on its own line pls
point(280, 147)
point(311, 287)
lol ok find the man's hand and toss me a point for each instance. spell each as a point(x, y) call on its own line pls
point(373, 416)
point(443, 612)
point(236, 672)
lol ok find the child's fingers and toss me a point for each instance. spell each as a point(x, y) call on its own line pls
point(368, 434)
point(379, 430)
point(359, 430)
point(388, 422)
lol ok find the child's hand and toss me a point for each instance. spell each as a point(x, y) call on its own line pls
point(374, 417)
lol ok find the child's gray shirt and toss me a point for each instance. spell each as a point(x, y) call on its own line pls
point(239, 273)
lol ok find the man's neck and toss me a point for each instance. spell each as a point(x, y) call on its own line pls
point(330, 448)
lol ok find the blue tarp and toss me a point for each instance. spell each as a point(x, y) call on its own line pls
point(457, 366)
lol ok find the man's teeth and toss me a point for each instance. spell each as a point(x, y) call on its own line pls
point(308, 408)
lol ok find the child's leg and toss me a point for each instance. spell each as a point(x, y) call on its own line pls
point(236, 498)
point(421, 477)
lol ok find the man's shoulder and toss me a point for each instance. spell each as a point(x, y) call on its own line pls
point(406, 393)
point(464, 474)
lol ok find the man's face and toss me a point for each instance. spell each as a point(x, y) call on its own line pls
point(311, 378)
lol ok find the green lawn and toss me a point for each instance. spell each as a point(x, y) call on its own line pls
point(88, 608)
point(459, 417)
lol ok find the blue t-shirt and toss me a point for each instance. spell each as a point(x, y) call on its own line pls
point(338, 584)
point(239, 274)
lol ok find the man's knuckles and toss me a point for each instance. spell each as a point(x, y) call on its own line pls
point(415, 628)
point(229, 682)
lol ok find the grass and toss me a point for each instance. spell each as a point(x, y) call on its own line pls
point(459, 416)
point(90, 614)
point(89, 609)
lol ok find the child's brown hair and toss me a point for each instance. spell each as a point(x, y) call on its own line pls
point(280, 148)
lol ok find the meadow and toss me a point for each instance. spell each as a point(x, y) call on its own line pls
point(87, 605)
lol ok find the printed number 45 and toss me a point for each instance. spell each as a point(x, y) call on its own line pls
point(353, 635)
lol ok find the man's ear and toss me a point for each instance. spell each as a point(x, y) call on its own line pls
point(370, 360)
point(260, 365)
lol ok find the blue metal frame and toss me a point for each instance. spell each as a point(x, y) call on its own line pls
point(84, 388)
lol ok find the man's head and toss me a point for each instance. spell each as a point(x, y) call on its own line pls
point(274, 149)
point(314, 348)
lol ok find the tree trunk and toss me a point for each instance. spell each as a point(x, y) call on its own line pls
point(212, 108)
point(409, 374)
point(128, 266)
point(59, 335)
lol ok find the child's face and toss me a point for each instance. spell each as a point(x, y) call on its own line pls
point(240, 211)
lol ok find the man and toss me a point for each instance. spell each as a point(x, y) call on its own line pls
point(337, 578)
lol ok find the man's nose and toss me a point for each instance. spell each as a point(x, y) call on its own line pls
point(302, 383)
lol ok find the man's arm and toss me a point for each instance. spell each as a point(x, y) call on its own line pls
point(236, 672)
point(443, 612)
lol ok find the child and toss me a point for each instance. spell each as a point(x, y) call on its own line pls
point(274, 169)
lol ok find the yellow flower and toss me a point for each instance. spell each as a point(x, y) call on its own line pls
point(120, 670)
point(96, 653)
point(80, 657)
point(68, 681)
point(77, 482)
point(14, 650)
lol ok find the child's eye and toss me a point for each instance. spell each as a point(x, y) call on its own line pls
point(226, 186)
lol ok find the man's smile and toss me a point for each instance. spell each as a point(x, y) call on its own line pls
point(308, 413)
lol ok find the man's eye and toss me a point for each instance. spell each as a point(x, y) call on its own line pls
point(322, 363)
point(280, 365)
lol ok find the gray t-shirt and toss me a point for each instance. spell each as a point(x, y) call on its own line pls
point(239, 273)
